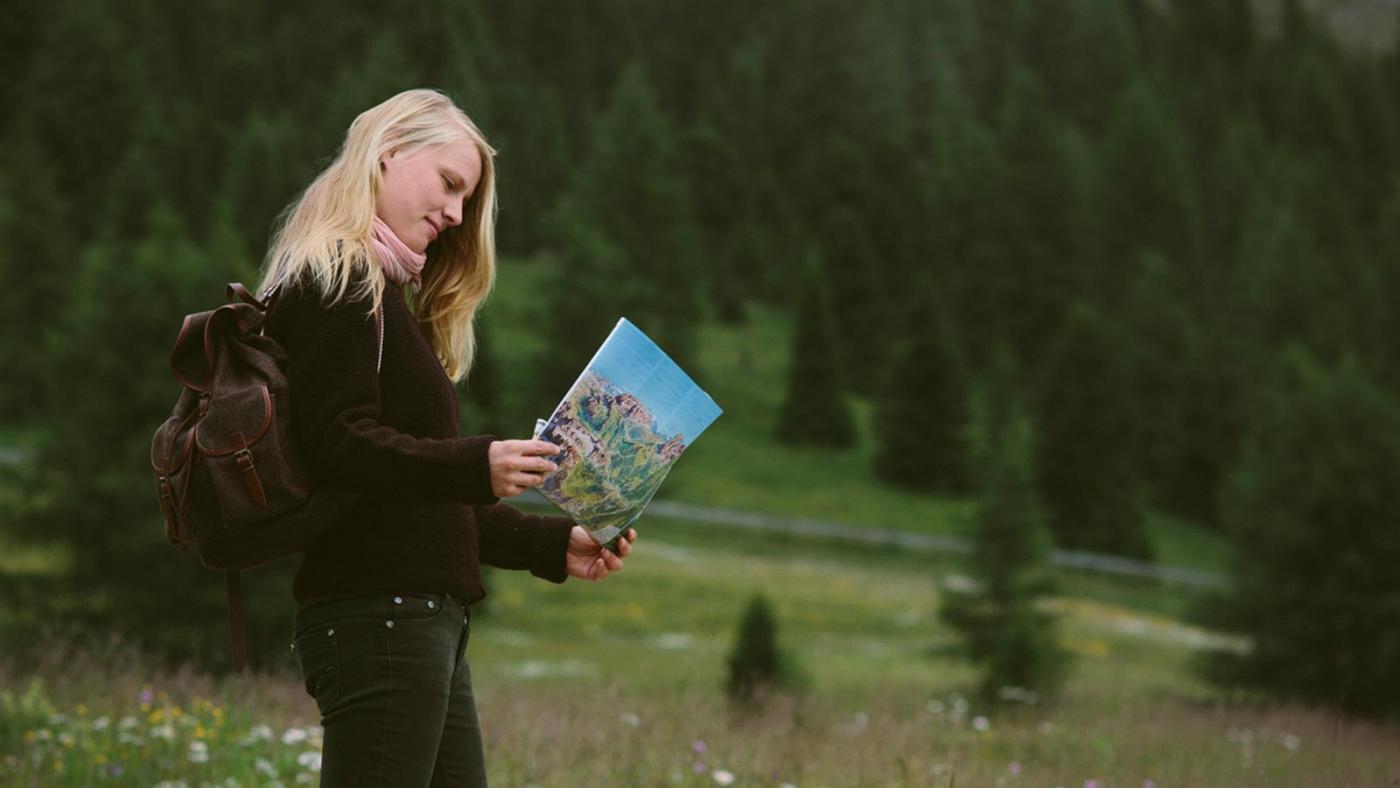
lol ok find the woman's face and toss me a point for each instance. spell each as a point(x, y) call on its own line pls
point(424, 191)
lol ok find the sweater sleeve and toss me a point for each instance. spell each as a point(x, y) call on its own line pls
point(510, 539)
point(335, 406)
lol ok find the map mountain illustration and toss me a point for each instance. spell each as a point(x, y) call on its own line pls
point(621, 428)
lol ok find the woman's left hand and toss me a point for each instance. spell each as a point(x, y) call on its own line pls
point(588, 560)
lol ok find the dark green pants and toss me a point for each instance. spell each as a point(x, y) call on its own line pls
point(389, 674)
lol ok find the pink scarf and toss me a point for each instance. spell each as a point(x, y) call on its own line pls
point(401, 264)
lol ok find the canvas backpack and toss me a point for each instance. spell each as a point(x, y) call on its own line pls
point(229, 478)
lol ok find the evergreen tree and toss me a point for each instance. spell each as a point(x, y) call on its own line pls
point(1086, 455)
point(1003, 628)
point(920, 412)
point(757, 666)
point(1311, 509)
point(481, 389)
point(631, 193)
point(815, 412)
point(77, 495)
point(1152, 197)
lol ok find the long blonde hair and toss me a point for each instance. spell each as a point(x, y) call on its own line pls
point(325, 232)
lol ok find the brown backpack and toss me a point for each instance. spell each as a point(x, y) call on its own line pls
point(228, 475)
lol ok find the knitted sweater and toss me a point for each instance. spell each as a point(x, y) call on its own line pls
point(428, 518)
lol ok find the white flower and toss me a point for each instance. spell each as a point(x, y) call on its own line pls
point(199, 752)
point(310, 760)
point(723, 777)
point(294, 736)
point(67, 739)
point(631, 719)
point(981, 724)
point(304, 778)
point(1291, 742)
point(260, 733)
point(127, 722)
point(101, 723)
point(787, 785)
point(264, 767)
point(166, 731)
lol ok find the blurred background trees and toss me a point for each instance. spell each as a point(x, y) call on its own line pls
point(1145, 202)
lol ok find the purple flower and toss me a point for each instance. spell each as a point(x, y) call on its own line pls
point(698, 746)
point(698, 768)
point(1148, 784)
point(115, 770)
point(1014, 767)
point(1091, 784)
point(147, 696)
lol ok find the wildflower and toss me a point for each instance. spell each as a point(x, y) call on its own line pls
point(698, 768)
point(127, 722)
point(698, 746)
point(723, 777)
point(101, 723)
point(260, 733)
point(1291, 742)
point(199, 752)
point(81, 710)
point(115, 770)
point(166, 731)
point(264, 767)
point(147, 696)
point(981, 724)
point(310, 760)
point(1148, 784)
point(631, 719)
point(1091, 784)
point(294, 736)
point(1014, 767)
point(200, 732)
point(304, 778)
point(67, 739)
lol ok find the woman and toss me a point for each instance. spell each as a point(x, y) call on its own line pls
point(403, 219)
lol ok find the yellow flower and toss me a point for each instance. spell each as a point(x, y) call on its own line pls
point(30, 737)
point(199, 731)
point(156, 715)
point(81, 709)
point(101, 759)
point(145, 707)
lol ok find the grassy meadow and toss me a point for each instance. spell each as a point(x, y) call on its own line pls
point(620, 683)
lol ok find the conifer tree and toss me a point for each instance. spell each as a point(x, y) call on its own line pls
point(1085, 455)
point(77, 495)
point(481, 389)
point(631, 193)
point(1004, 629)
point(1311, 509)
point(815, 412)
point(921, 408)
point(757, 666)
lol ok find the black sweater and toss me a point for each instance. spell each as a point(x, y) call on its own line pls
point(428, 518)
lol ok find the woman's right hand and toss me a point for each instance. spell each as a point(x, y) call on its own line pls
point(519, 465)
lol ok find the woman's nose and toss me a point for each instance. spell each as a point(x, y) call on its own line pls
point(452, 214)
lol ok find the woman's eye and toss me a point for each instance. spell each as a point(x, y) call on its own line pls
point(449, 184)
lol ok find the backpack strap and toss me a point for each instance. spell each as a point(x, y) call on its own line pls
point(235, 622)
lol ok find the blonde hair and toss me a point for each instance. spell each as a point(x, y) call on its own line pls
point(325, 232)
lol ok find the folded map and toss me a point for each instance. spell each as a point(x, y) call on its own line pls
point(621, 428)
